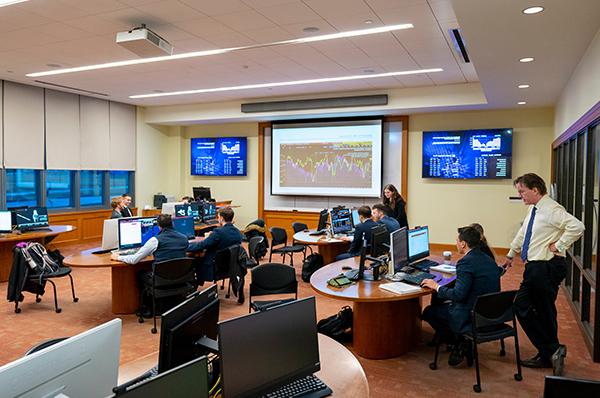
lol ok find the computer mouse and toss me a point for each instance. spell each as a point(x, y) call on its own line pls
point(346, 267)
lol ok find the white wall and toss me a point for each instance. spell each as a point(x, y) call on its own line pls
point(582, 91)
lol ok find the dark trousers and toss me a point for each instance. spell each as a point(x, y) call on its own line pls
point(438, 316)
point(535, 303)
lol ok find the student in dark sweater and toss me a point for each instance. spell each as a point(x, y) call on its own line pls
point(393, 199)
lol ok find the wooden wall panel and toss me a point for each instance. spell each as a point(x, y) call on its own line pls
point(284, 219)
point(89, 225)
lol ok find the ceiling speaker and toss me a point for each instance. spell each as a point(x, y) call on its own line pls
point(315, 103)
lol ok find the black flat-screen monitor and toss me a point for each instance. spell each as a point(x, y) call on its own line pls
point(31, 217)
point(184, 325)
point(418, 244)
point(468, 154)
point(202, 193)
point(268, 349)
point(223, 156)
point(184, 225)
point(184, 381)
point(363, 258)
point(399, 248)
point(209, 212)
point(188, 210)
point(341, 220)
point(380, 240)
point(323, 216)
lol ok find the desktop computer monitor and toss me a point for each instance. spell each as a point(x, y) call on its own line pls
point(399, 249)
point(265, 350)
point(184, 225)
point(380, 241)
point(185, 381)
point(418, 244)
point(209, 212)
point(202, 193)
point(5, 221)
point(188, 210)
point(110, 234)
point(31, 218)
point(355, 218)
point(86, 365)
point(183, 325)
point(323, 216)
point(169, 207)
point(341, 222)
point(135, 232)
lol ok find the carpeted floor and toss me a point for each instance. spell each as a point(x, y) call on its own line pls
point(406, 376)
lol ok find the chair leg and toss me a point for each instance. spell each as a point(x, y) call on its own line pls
point(153, 330)
point(438, 342)
point(140, 313)
point(518, 376)
point(502, 348)
point(228, 288)
point(270, 254)
point(56, 307)
point(75, 299)
point(476, 387)
point(223, 285)
point(37, 298)
point(292, 259)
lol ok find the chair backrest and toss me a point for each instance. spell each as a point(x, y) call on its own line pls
point(299, 226)
point(560, 387)
point(493, 309)
point(279, 236)
point(225, 259)
point(253, 245)
point(273, 278)
point(173, 272)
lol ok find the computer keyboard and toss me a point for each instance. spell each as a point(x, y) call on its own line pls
point(118, 390)
point(417, 277)
point(424, 265)
point(127, 252)
point(317, 233)
point(306, 387)
point(211, 222)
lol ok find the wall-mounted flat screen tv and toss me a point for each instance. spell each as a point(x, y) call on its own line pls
point(468, 154)
point(219, 156)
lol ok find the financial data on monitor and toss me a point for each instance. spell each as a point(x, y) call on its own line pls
point(418, 242)
point(218, 156)
point(136, 232)
point(340, 221)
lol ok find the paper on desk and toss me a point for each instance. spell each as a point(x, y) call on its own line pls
point(400, 288)
point(447, 268)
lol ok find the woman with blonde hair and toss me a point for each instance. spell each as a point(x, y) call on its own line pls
point(393, 199)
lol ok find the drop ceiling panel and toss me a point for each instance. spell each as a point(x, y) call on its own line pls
point(217, 7)
point(204, 27)
point(289, 13)
point(332, 8)
point(245, 20)
point(171, 10)
point(269, 35)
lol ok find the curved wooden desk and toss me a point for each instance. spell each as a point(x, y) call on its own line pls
point(328, 248)
point(340, 370)
point(384, 324)
point(8, 241)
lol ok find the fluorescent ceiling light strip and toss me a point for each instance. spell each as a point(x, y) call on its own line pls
point(290, 83)
point(116, 64)
point(4, 3)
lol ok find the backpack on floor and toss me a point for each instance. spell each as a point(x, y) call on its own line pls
point(338, 326)
point(312, 263)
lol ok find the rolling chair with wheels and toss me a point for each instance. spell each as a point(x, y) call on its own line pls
point(490, 316)
point(272, 278)
point(44, 344)
point(279, 237)
point(170, 278)
point(299, 227)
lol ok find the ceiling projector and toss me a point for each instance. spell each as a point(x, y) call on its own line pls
point(144, 42)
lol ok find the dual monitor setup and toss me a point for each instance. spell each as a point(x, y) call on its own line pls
point(202, 212)
point(200, 194)
point(257, 354)
point(343, 220)
point(24, 219)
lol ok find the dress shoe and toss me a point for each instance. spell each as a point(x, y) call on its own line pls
point(458, 353)
point(558, 360)
point(536, 362)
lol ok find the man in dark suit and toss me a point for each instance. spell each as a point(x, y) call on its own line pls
point(381, 215)
point(476, 274)
point(126, 211)
point(224, 236)
point(360, 230)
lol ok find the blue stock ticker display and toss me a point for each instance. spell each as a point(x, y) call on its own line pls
point(467, 154)
point(219, 156)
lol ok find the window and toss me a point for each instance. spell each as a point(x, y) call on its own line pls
point(22, 187)
point(119, 183)
point(91, 188)
point(59, 184)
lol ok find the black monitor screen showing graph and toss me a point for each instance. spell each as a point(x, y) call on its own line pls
point(327, 158)
point(341, 221)
point(483, 154)
point(219, 156)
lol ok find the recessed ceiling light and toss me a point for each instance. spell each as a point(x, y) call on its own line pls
point(289, 83)
point(523, 85)
point(368, 21)
point(332, 36)
point(311, 29)
point(369, 71)
point(4, 3)
point(521, 103)
point(527, 59)
point(159, 91)
point(533, 10)
point(10, 71)
point(54, 65)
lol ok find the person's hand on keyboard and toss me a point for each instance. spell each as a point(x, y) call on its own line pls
point(430, 283)
point(114, 256)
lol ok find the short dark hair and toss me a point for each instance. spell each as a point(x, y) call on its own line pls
point(165, 221)
point(227, 213)
point(383, 208)
point(364, 211)
point(470, 235)
point(126, 195)
point(532, 180)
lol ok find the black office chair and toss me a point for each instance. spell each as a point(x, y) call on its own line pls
point(170, 278)
point(272, 278)
point(560, 387)
point(253, 247)
point(225, 260)
point(44, 344)
point(279, 237)
point(489, 323)
point(299, 227)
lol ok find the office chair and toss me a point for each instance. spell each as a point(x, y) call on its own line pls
point(489, 323)
point(225, 261)
point(44, 344)
point(170, 278)
point(299, 227)
point(560, 387)
point(279, 237)
point(253, 246)
point(272, 278)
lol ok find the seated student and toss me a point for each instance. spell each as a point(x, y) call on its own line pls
point(126, 211)
point(117, 206)
point(381, 215)
point(476, 274)
point(360, 230)
point(220, 238)
point(485, 247)
point(187, 200)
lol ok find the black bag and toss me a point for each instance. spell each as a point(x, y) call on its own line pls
point(338, 326)
point(312, 263)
